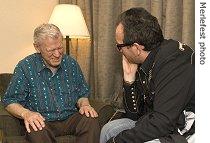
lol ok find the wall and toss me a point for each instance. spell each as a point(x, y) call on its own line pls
point(18, 18)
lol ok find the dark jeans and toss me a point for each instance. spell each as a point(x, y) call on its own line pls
point(86, 130)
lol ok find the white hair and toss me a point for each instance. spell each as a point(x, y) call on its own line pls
point(46, 30)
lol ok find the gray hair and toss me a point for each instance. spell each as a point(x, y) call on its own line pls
point(46, 30)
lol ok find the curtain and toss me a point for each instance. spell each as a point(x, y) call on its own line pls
point(98, 57)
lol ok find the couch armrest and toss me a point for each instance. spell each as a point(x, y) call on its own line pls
point(9, 125)
point(104, 110)
point(3, 112)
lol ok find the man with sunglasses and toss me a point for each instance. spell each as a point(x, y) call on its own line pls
point(47, 91)
point(158, 84)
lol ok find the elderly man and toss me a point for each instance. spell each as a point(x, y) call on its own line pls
point(47, 90)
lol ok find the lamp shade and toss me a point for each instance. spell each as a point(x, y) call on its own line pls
point(70, 21)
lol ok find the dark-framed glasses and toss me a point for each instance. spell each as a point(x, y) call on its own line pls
point(120, 46)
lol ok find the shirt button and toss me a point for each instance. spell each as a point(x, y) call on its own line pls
point(143, 81)
point(134, 108)
point(133, 97)
point(132, 92)
point(134, 104)
point(132, 88)
point(133, 100)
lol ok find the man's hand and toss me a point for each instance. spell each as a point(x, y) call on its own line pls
point(33, 119)
point(129, 70)
point(88, 111)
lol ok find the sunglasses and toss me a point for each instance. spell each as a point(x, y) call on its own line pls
point(120, 46)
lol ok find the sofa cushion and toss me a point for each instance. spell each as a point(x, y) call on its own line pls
point(4, 81)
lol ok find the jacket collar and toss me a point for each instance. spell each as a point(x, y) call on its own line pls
point(149, 61)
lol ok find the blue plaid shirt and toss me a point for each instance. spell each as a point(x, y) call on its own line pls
point(36, 88)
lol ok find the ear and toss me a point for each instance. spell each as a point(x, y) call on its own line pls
point(37, 47)
point(139, 48)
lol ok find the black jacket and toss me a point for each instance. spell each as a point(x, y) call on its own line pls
point(163, 89)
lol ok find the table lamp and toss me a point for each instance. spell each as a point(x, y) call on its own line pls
point(70, 21)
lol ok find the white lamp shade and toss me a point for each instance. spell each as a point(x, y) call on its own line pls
point(70, 21)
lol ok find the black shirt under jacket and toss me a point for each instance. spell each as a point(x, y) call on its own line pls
point(163, 89)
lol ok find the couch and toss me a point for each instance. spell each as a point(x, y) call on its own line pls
point(11, 129)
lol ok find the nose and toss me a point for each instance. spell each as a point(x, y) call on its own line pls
point(57, 53)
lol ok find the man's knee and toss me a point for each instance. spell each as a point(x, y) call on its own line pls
point(40, 135)
point(108, 130)
point(91, 121)
point(38, 132)
point(114, 127)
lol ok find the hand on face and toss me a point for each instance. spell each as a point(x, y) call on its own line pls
point(33, 119)
point(88, 111)
point(129, 69)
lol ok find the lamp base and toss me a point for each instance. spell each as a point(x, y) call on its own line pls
point(67, 45)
